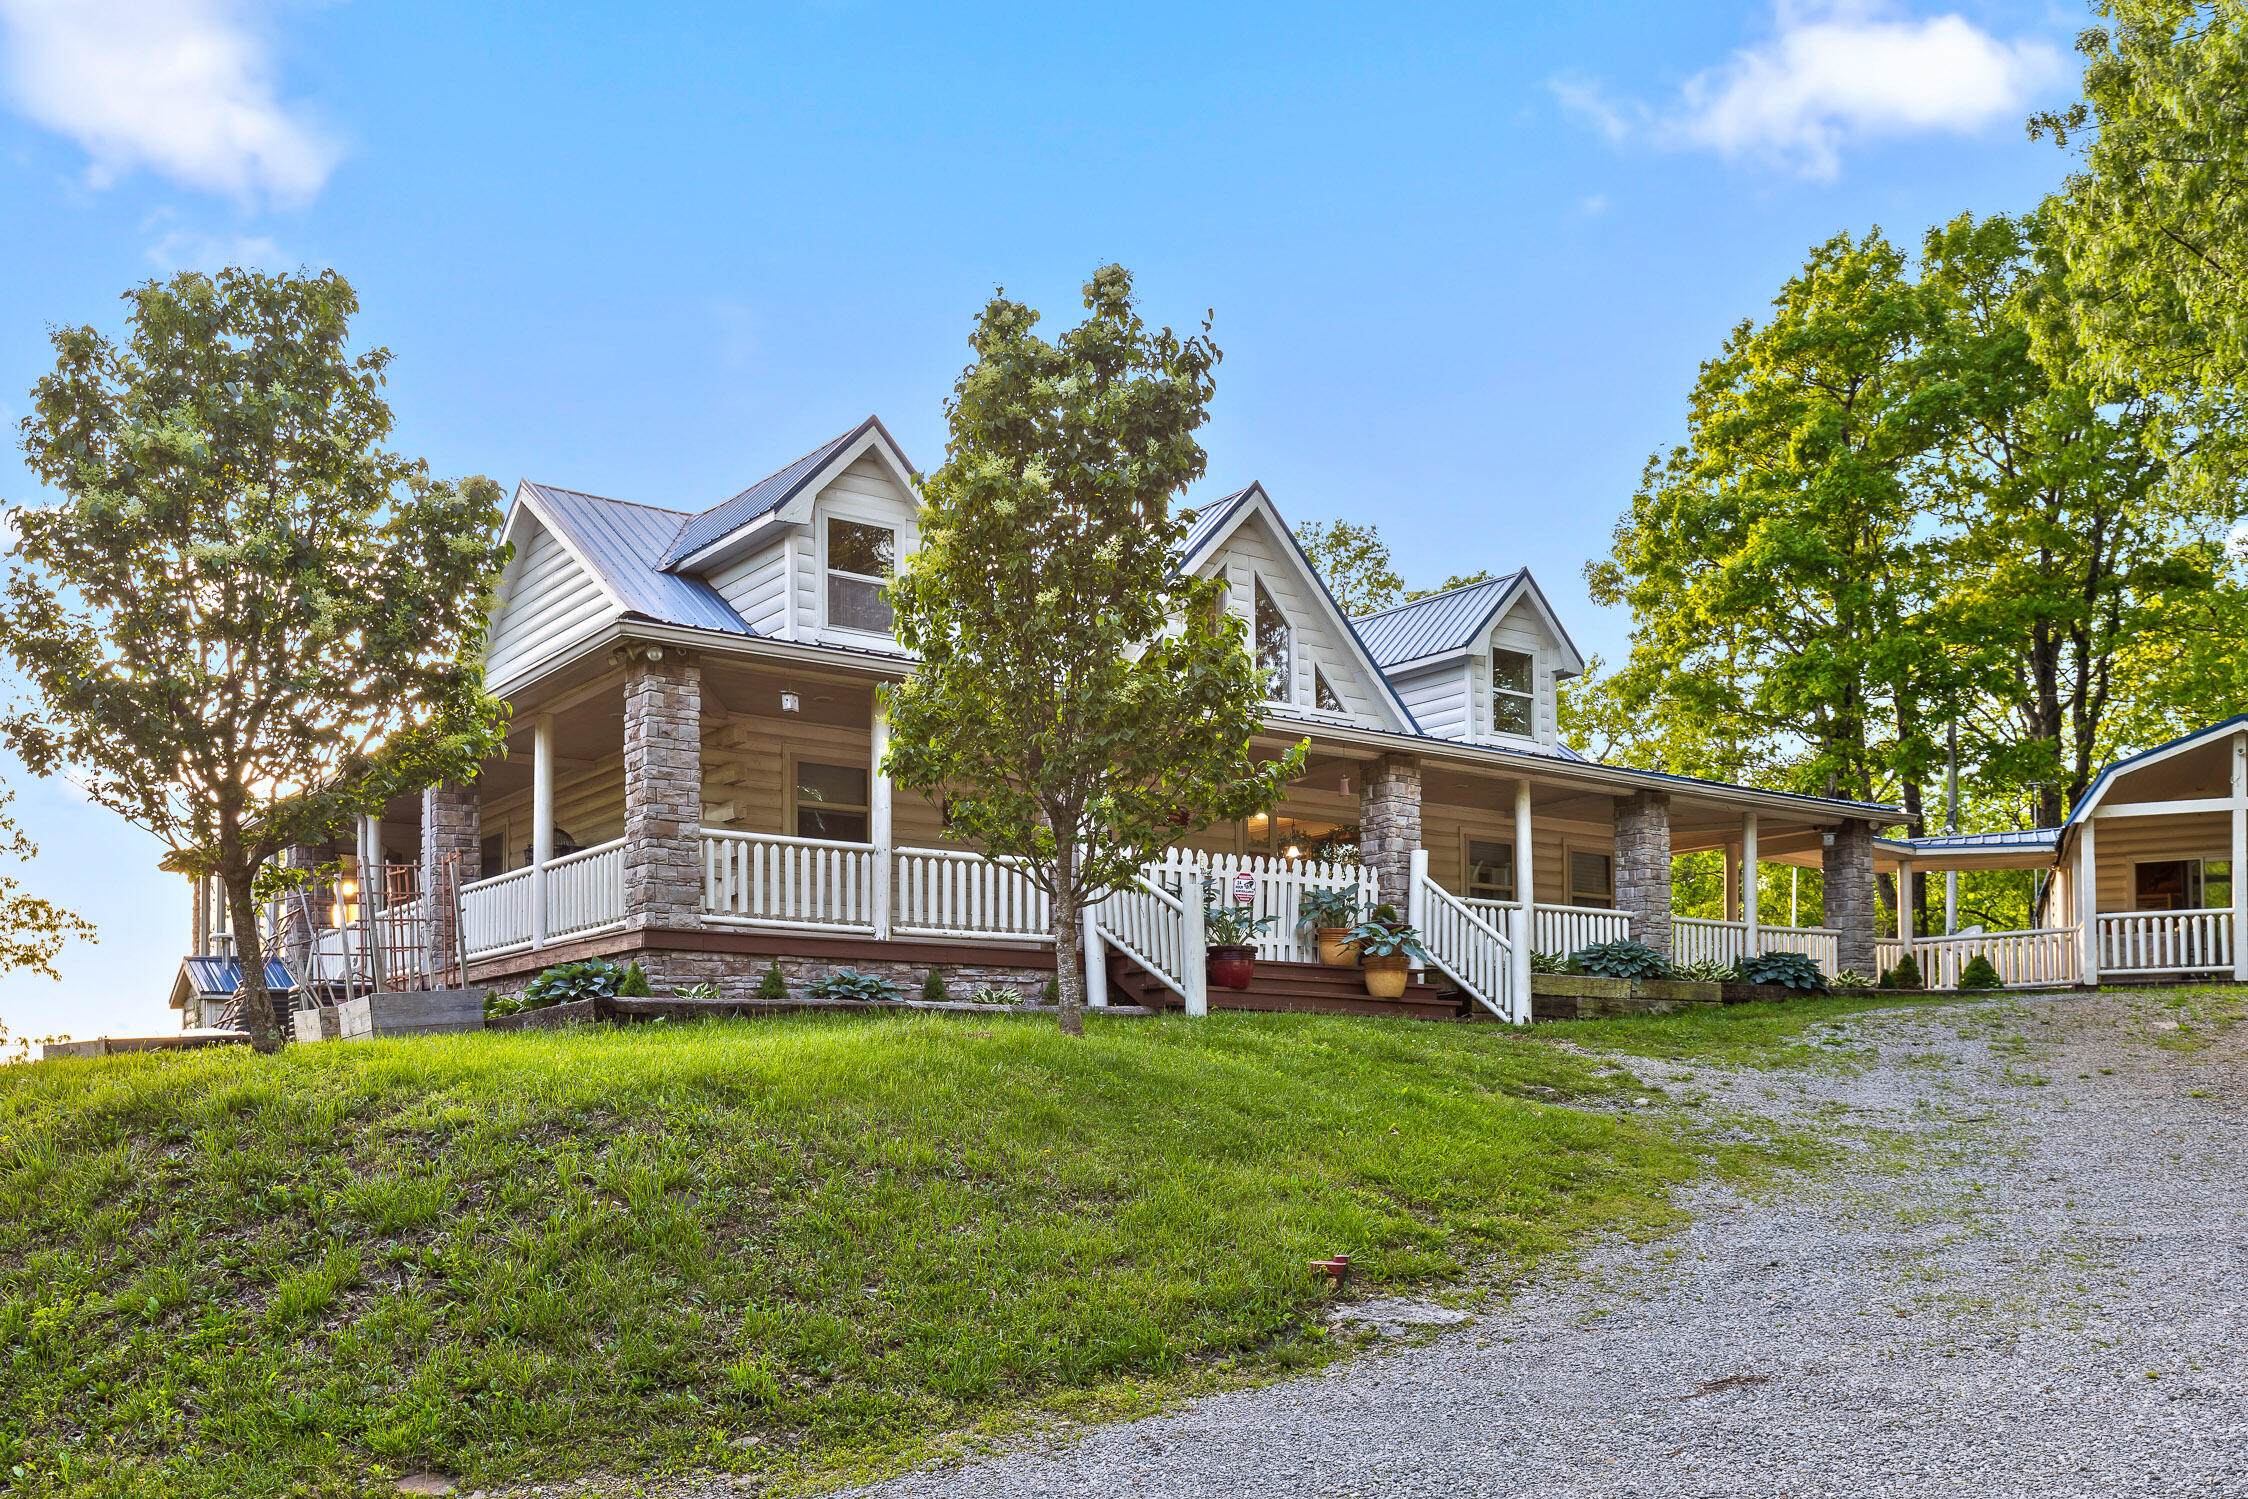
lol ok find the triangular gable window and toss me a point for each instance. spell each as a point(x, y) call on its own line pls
point(1322, 694)
point(1276, 658)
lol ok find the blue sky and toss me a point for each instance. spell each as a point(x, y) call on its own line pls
point(1464, 260)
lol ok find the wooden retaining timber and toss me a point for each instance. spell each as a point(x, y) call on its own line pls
point(1304, 988)
point(499, 972)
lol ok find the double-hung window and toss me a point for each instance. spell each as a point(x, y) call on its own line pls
point(1513, 693)
point(831, 802)
point(860, 562)
point(1490, 870)
point(1592, 879)
point(1276, 656)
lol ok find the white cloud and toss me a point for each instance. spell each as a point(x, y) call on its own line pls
point(1834, 73)
point(194, 250)
point(183, 87)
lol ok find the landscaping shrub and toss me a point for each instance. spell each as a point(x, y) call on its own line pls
point(772, 985)
point(1849, 978)
point(852, 984)
point(1979, 974)
point(993, 994)
point(1620, 960)
point(1790, 970)
point(1906, 975)
point(932, 988)
point(1549, 962)
point(700, 991)
point(634, 984)
point(1052, 993)
point(1704, 971)
point(566, 983)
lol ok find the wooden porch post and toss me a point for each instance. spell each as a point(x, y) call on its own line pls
point(370, 897)
point(1728, 903)
point(878, 820)
point(1749, 891)
point(542, 820)
point(2239, 857)
point(2087, 906)
point(1904, 905)
point(1525, 892)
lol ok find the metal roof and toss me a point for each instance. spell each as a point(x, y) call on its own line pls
point(2013, 838)
point(623, 543)
point(1441, 623)
point(1211, 519)
point(2113, 768)
point(766, 495)
point(224, 975)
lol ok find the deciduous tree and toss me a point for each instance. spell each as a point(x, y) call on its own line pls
point(32, 930)
point(245, 621)
point(1078, 701)
point(1354, 561)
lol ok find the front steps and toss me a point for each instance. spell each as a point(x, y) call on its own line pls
point(1299, 987)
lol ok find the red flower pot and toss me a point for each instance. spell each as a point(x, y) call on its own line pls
point(1232, 967)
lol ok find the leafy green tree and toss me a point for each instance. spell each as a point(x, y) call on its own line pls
point(1354, 561)
point(1773, 563)
point(1457, 580)
point(2064, 542)
point(32, 930)
point(2155, 222)
point(245, 622)
point(1080, 703)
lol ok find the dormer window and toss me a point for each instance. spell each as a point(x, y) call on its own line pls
point(1276, 661)
point(1513, 693)
point(861, 559)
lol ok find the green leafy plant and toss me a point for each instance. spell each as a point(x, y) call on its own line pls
point(1386, 939)
point(1849, 978)
point(1906, 975)
point(1549, 962)
point(772, 985)
point(1233, 926)
point(932, 988)
point(1704, 971)
point(1386, 914)
point(566, 983)
point(1790, 970)
point(1329, 908)
point(1980, 974)
point(705, 990)
point(504, 1004)
point(993, 994)
point(1052, 993)
point(634, 984)
point(1623, 959)
point(849, 983)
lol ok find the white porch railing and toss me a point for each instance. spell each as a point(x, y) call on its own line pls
point(1281, 884)
point(2039, 955)
point(1560, 930)
point(585, 890)
point(2197, 941)
point(952, 893)
point(1698, 939)
point(1156, 930)
point(496, 914)
point(1471, 951)
point(800, 884)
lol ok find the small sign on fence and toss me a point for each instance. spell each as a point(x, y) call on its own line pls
point(1244, 888)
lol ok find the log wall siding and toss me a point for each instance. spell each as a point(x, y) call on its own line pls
point(2123, 842)
point(548, 600)
point(1253, 553)
point(1445, 831)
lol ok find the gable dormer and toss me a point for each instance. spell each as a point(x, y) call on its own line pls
point(1478, 663)
point(804, 554)
point(1313, 664)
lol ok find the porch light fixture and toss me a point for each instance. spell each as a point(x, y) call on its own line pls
point(1827, 838)
point(791, 703)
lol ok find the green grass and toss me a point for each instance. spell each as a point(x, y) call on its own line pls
point(518, 1258)
point(1796, 1033)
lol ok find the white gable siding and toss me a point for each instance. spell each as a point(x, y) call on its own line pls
point(548, 601)
point(863, 492)
point(1252, 555)
point(755, 586)
point(1437, 697)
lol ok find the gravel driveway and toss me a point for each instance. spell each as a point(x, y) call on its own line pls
point(2044, 1292)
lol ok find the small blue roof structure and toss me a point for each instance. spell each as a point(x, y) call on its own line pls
point(762, 498)
point(1449, 623)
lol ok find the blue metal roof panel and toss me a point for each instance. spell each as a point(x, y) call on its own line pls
point(625, 543)
point(2012, 838)
point(224, 975)
point(766, 495)
point(2109, 771)
point(1211, 519)
point(1448, 621)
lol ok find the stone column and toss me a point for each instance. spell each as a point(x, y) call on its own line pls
point(662, 788)
point(452, 832)
point(1853, 901)
point(1643, 866)
point(1389, 825)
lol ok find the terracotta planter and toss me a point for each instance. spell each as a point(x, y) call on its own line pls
point(1334, 951)
point(1232, 967)
point(1386, 977)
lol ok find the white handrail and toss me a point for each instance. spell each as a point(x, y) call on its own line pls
point(1555, 929)
point(2195, 941)
point(800, 884)
point(1467, 948)
point(1697, 939)
point(585, 890)
point(1158, 931)
point(496, 914)
point(943, 892)
point(2032, 955)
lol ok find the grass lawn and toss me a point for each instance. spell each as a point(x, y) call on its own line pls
point(806, 1248)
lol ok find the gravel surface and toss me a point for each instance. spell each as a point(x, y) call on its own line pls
point(2029, 1279)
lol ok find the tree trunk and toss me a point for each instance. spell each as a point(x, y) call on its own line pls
point(255, 1004)
point(1069, 968)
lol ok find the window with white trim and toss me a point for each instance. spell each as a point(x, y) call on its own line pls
point(831, 802)
point(1322, 694)
point(1592, 879)
point(1490, 870)
point(1276, 655)
point(1514, 696)
point(861, 559)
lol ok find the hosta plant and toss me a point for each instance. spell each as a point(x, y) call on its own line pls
point(1549, 962)
point(849, 983)
point(1704, 971)
point(1384, 939)
point(1623, 959)
point(566, 983)
point(1330, 908)
point(1789, 970)
point(1849, 978)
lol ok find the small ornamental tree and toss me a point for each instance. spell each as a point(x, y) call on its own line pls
point(32, 930)
point(1079, 702)
point(245, 623)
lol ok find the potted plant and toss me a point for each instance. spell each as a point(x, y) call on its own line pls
point(1230, 933)
point(1386, 948)
point(1329, 914)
